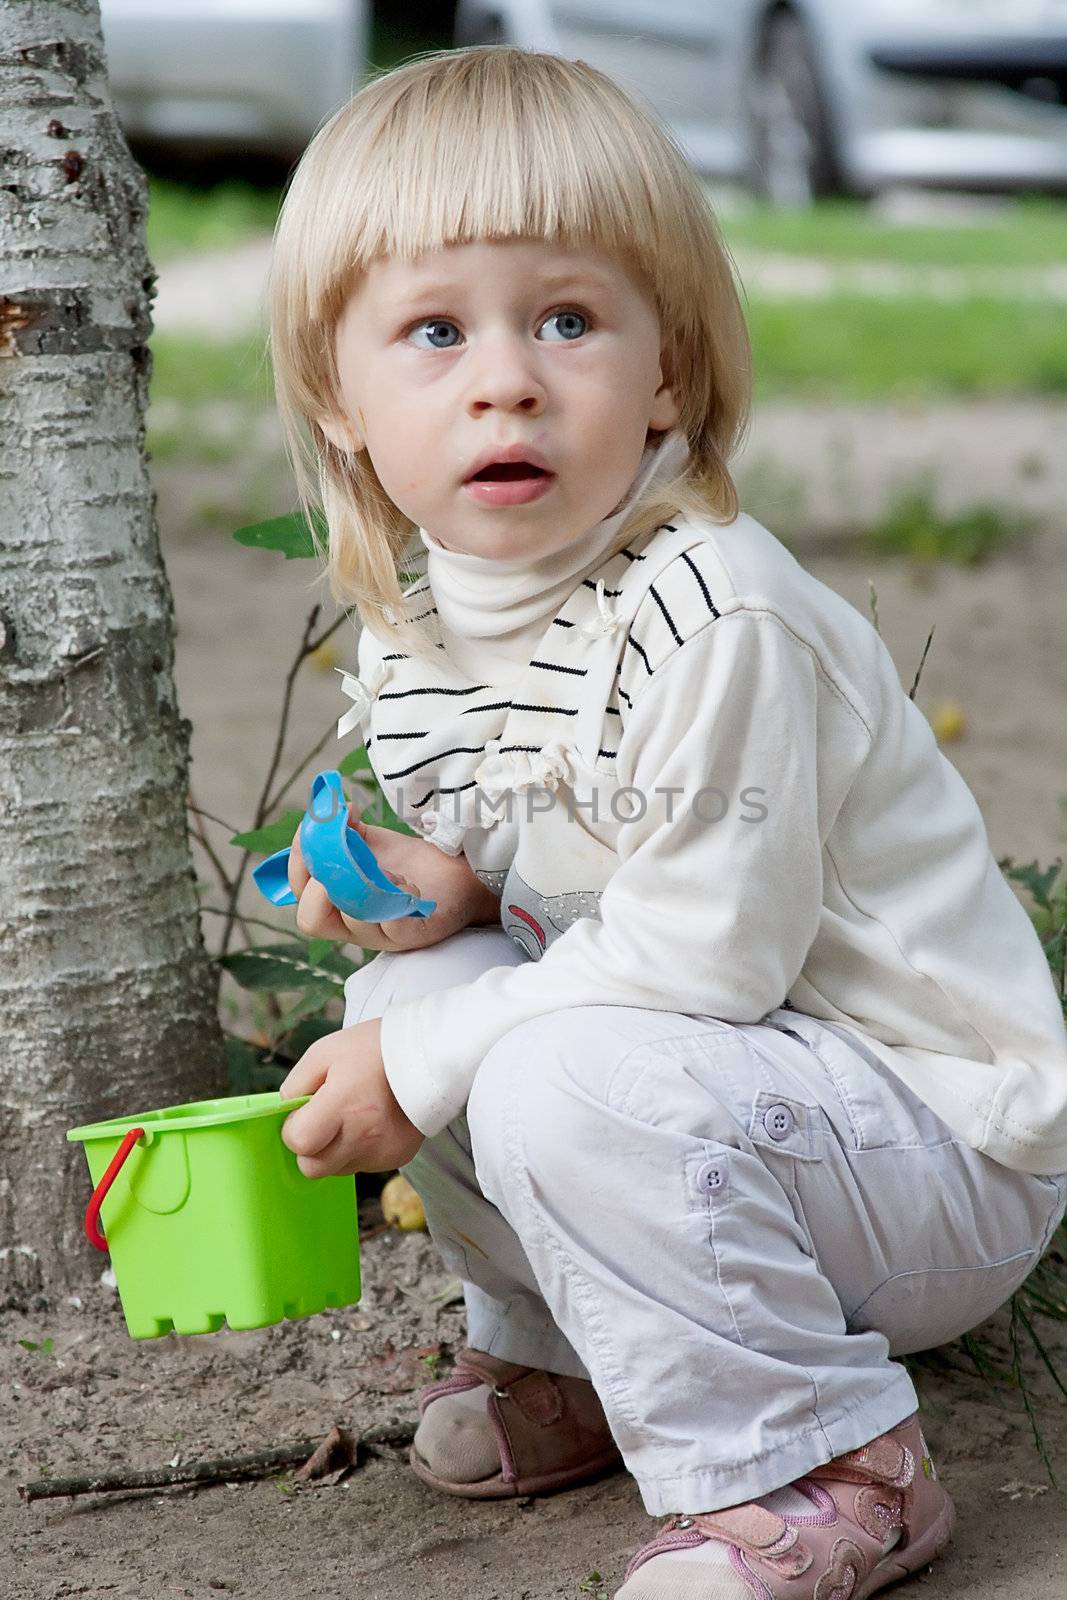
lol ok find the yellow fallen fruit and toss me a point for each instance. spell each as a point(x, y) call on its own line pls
point(325, 657)
point(401, 1206)
point(948, 721)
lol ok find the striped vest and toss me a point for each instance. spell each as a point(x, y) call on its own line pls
point(523, 778)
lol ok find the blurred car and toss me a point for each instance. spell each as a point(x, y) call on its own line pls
point(806, 98)
point(253, 75)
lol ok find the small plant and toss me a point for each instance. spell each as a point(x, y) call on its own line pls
point(44, 1348)
point(594, 1586)
point(296, 985)
point(1048, 912)
point(1044, 1294)
point(914, 526)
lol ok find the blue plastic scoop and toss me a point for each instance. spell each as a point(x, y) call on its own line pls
point(341, 860)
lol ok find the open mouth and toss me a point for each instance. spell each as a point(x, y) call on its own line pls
point(508, 472)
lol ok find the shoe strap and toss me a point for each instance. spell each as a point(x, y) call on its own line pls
point(760, 1533)
point(535, 1394)
point(885, 1460)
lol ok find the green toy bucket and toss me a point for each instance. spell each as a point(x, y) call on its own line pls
point(209, 1220)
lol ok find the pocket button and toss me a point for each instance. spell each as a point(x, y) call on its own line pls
point(711, 1177)
point(779, 1122)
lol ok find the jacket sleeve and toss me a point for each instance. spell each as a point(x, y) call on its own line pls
point(717, 894)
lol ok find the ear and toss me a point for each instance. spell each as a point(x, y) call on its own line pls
point(666, 408)
point(341, 434)
point(666, 411)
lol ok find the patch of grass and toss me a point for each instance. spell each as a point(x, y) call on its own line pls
point(912, 525)
point(184, 217)
point(850, 346)
point(190, 370)
point(191, 444)
point(846, 346)
point(1027, 233)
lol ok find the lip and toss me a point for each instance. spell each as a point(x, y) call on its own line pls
point(507, 453)
point(502, 493)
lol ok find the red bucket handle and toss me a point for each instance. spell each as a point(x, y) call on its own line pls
point(92, 1211)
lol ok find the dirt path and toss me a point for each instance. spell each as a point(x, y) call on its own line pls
point(100, 1399)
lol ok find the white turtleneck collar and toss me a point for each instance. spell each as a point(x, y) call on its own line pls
point(492, 611)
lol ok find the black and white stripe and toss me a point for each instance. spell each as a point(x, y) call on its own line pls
point(435, 727)
point(677, 605)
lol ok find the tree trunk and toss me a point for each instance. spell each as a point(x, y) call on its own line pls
point(107, 996)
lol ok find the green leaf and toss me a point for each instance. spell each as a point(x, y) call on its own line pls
point(273, 836)
point(356, 761)
point(285, 966)
point(290, 534)
point(246, 1070)
point(379, 813)
point(304, 1035)
point(45, 1347)
point(1039, 883)
point(311, 1001)
point(317, 948)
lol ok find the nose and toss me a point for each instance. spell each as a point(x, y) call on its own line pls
point(504, 378)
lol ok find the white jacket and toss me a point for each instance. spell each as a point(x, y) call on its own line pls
point(818, 849)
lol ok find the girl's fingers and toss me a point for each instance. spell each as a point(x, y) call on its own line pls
point(316, 915)
point(335, 1157)
point(309, 1130)
point(299, 876)
point(308, 1074)
point(378, 935)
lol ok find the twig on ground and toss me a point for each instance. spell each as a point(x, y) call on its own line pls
point(260, 1464)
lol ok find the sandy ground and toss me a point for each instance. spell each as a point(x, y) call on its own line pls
point(100, 1399)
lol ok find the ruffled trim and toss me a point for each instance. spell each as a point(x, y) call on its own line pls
point(362, 695)
point(547, 768)
point(447, 833)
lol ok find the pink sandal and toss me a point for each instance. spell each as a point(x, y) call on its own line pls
point(550, 1429)
point(838, 1552)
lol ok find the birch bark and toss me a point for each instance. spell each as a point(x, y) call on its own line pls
point(107, 996)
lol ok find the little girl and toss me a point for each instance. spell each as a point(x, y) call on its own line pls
point(728, 1065)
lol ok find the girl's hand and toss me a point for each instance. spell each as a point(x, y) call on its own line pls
point(412, 864)
point(352, 1123)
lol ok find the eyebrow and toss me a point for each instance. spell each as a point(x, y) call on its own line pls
point(578, 277)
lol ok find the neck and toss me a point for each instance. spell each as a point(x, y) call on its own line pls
point(508, 602)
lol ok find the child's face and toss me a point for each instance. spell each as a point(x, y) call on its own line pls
point(481, 346)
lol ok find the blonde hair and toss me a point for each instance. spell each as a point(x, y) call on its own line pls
point(492, 142)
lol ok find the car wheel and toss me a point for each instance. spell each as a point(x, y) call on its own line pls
point(478, 30)
point(793, 153)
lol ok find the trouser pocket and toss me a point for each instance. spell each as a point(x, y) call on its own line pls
point(934, 1301)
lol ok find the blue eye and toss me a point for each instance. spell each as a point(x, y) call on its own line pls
point(435, 325)
point(568, 321)
point(572, 325)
